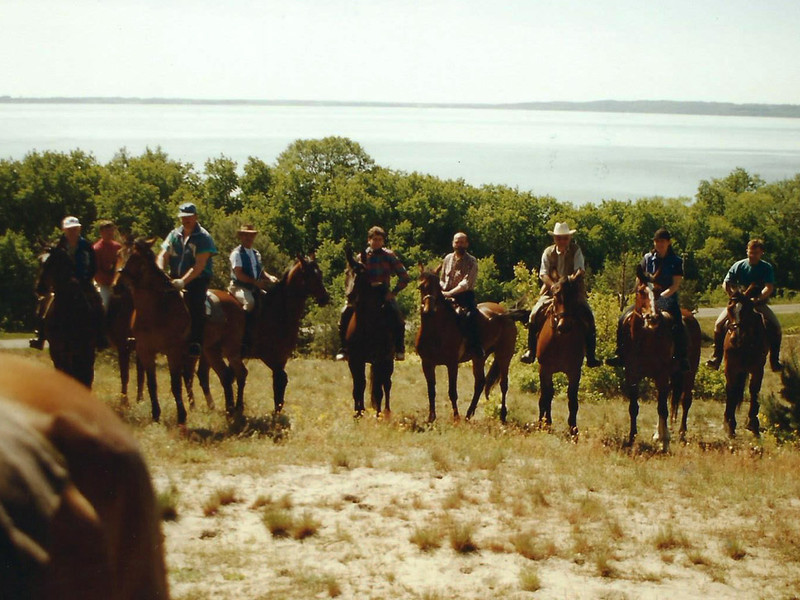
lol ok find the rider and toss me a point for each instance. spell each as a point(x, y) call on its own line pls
point(82, 254)
point(248, 279)
point(667, 269)
point(563, 258)
point(741, 274)
point(457, 277)
point(381, 264)
point(189, 249)
point(105, 251)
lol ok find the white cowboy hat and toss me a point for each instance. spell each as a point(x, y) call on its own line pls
point(562, 229)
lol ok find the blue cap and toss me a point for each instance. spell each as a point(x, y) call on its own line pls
point(187, 209)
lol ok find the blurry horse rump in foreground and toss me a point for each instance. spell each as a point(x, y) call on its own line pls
point(647, 351)
point(78, 515)
point(745, 350)
point(441, 340)
point(69, 321)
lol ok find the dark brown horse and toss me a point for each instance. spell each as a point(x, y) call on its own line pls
point(441, 341)
point(647, 351)
point(160, 325)
point(369, 339)
point(560, 349)
point(277, 326)
point(222, 341)
point(119, 318)
point(79, 515)
point(746, 348)
point(69, 325)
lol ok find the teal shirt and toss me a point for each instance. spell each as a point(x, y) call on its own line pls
point(182, 252)
point(743, 273)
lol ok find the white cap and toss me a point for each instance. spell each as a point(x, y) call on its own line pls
point(70, 222)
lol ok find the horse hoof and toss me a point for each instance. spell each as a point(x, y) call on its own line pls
point(431, 417)
point(358, 414)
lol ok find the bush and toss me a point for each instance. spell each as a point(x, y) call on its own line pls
point(18, 270)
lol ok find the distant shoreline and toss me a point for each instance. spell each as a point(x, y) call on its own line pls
point(728, 109)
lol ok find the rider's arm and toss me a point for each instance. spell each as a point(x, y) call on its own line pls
point(161, 259)
point(467, 281)
point(676, 283)
point(197, 269)
point(766, 292)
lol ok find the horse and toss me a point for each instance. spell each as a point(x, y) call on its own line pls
point(745, 351)
point(160, 325)
point(441, 341)
point(277, 326)
point(369, 339)
point(560, 349)
point(119, 317)
point(647, 350)
point(69, 324)
point(78, 514)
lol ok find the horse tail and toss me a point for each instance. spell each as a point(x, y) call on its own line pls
point(519, 314)
point(491, 378)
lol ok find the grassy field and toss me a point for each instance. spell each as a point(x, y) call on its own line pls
point(317, 504)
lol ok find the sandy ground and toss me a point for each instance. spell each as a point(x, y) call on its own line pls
point(362, 547)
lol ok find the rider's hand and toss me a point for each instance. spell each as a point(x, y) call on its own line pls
point(178, 284)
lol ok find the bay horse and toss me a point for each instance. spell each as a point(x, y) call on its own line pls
point(647, 351)
point(441, 341)
point(560, 348)
point(69, 324)
point(277, 326)
point(745, 351)
point(160, 325)
point(79, 514)
point(369, 339)
point(119, 318)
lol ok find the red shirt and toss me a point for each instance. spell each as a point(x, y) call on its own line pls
point(106, 258)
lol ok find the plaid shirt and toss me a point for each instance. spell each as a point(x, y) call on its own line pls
point(380, 266)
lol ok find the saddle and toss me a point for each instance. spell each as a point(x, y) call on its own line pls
point(214, 312)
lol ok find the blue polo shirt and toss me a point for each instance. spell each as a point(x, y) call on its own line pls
point(182, 250)
point(666, 267)
point(743, 273)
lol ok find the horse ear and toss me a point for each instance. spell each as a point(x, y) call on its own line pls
point(150, 241)
point(301, 258)
point(348, 254)
point(640, 274)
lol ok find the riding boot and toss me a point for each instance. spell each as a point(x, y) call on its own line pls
point(247, 336)
point(719, 341)
point(680, 342)
point(400, 341)
point(37, 342)
point(591, 347)
point(474, 335)
point(774, 339)
point(344, 322)
point(616, 360)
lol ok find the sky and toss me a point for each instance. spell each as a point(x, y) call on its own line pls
point(474, 51)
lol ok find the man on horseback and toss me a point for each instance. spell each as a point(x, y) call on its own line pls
point(563, 259)
point(248, 279)
point(381, 264)
point(83, 257)
point(105, 251)
point(743, 273)
point(189, 249)
point(667, 270)
point(458, 274)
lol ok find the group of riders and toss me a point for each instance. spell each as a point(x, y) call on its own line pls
point(186, 256)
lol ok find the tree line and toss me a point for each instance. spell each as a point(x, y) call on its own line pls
point(322, 194)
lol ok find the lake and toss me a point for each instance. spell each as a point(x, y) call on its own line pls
point(572, 156)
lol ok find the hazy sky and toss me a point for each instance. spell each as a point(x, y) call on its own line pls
point(387, 50)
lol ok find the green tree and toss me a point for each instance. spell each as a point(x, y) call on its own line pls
point(17, 273)
point(221, 185)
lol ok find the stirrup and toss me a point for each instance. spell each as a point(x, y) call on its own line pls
point(528, 358)
point(714, 363)
point(593, 362)
point(36, 343)
point(615, 361)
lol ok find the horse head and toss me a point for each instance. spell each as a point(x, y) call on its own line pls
point(136, 266)
point(430, 290)
point(742, 316)
point(305, 279)
point(645, 300)
point(55, 269)
point(357, 281)
point(565, 295)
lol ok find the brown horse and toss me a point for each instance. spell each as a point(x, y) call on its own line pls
point(746, 348)
point(647, 351)
point(119, 318)
point(79, 515)
point(69, 325)
point(160, 325)
point(277, 326)
point(560, 349)
point(369, 339)
point(441, 341)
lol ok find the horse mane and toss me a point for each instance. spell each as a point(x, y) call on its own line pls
point(432, 276)
point(144, 247)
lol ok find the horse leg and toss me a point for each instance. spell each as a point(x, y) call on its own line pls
point(452, 388)
point(149, 367)
point(188, 370)
point(375, 387)
point(202, 376)
point(124, 362)
point(225, 374)
point(572, 403)
point(176, 370)
point(686, 396)
point(662, 434)
point(240, 373)
point(676, 388)
point(279, 382)
point(429, 370)
point(632, 391)
point(753, 424)
point(139, 380)
point(387, 385)
point(503, 391)
point(357, 371)
point(480, 381)
point(734, 392)
point(546, 393)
